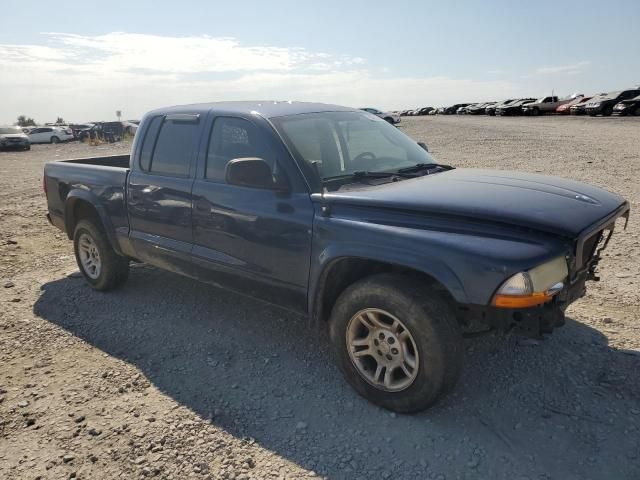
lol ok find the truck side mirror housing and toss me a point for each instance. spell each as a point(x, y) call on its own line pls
point(424, 146)
point(252, 172)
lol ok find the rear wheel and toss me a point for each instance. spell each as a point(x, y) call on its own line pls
point(55, 139)
point(397, 343)
point(100, 265)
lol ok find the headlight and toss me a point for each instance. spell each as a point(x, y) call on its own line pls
point(597, 104)
point(533, 287)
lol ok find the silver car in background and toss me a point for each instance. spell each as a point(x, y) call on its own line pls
point(13, 138)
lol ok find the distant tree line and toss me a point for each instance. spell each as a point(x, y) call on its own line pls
point(24, 121)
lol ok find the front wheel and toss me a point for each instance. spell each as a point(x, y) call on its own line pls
point(397, 342)
point(100, 265)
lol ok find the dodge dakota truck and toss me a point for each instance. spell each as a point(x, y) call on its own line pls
point(335, 214)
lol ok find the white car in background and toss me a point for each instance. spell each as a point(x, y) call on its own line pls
point(390, 117)
point(50, 135)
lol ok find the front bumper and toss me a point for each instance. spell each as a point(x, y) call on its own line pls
point(15, 144)
point(530, 322)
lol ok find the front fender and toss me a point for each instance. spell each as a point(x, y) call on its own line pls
point(469, 261)
point(427, 264)
point(335, 239)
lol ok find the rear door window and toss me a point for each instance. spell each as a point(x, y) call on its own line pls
point(149, 141)
point(176, 145)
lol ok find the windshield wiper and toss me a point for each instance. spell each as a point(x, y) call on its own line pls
point(365, 174)
point(424, 166)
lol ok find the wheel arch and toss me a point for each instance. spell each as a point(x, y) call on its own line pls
point(81, 204)
point(343, 271)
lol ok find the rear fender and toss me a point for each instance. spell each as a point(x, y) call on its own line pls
point(70, 221)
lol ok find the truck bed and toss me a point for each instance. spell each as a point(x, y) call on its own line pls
point(100, 181)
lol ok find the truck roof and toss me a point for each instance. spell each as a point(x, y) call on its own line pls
point(266, 108)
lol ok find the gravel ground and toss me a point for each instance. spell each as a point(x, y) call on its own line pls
point(170, 378)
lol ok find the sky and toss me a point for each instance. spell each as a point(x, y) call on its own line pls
point(83, 61)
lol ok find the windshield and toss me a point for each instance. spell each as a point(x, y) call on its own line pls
point(341, 143)
point(9, 130)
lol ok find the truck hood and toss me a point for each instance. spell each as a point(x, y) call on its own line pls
point(550, 204)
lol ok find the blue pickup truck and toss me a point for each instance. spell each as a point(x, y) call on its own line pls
point(338, 215)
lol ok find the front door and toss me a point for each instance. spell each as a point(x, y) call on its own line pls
point(253, 240)
point(159, 192)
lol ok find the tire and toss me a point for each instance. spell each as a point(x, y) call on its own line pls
point(28, 147)
point(112, 270)
point(535, 112)
point(636, 111)
point(55, 139)
point(607, 111)
point(434, 344)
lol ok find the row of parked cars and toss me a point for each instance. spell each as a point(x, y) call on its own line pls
point(619, 102)
point(21, 138)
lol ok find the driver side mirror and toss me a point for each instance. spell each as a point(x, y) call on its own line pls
point(424, 146)
point(252, 172)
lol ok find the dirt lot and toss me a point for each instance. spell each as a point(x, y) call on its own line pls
point(170, 378)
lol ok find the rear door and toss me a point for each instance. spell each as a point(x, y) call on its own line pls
point(253, 240)
point(40, 135)
point(159, 191)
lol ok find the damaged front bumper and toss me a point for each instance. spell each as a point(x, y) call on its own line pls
point(531, 322)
